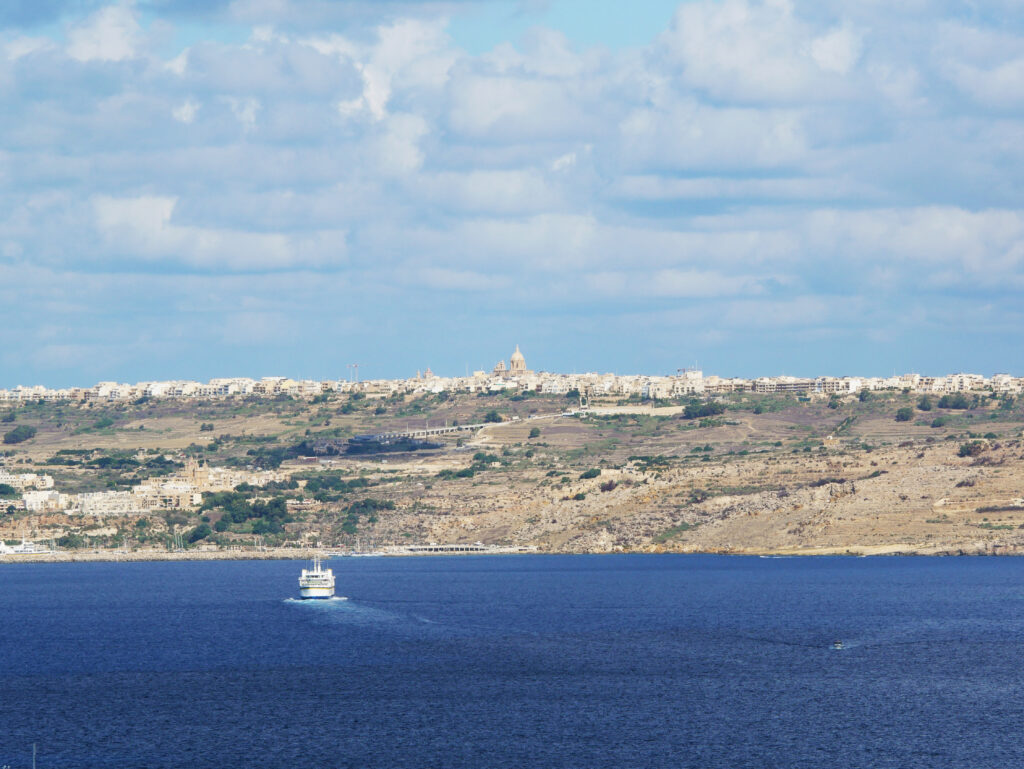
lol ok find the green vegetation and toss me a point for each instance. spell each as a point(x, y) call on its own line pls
point(957, 401)
point(925, 404)
point(905, 414)
point(8, 492)
point(267, 517)
point(588, 474)
point(972, 449)
point(492, 416)
point(698, 410)
point(534, 432)
point(19, 434)
point(674, 532)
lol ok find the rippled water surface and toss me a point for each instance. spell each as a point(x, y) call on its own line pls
point(508, 661)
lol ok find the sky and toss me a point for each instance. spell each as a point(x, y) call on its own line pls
point(201, 188)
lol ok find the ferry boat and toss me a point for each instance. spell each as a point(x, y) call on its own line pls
point(25, 548)
point(317, 582)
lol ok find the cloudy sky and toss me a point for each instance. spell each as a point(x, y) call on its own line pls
point(199, 188)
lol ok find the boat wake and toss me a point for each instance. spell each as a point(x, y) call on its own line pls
point(317, 601)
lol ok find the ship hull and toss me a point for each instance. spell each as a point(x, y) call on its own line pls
point(316, 592)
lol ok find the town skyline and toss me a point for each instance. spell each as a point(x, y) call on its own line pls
point(516, 375)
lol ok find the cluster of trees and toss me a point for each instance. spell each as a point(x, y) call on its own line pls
point(389, 447)
point(957, 401)
point(330, 487)
point(700, 410)
point(268, 517)
point(19, 434)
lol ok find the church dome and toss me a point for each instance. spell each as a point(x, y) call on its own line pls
point(517, 364)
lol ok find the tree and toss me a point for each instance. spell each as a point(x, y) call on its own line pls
point(972, 449)
point(905, 414)
point(925, 404)
point(699, 410)
point(8, 492)
point(591, 473)
point(19, 434)
point(206, 427)
point(534, 432)
point(492, 416)
point(958, 401)
point(202, 531)
point(864, 395)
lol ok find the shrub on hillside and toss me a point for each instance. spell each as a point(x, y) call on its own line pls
point(19, 434)
point(958, 401)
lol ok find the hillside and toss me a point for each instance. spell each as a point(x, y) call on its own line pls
point(770, 474)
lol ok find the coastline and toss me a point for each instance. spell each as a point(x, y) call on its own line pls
point(298, 554)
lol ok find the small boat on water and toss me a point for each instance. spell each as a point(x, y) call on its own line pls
point(316, 582)
point(837, 644)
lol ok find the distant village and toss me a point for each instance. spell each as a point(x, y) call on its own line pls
point(182, 491)
point(515, 376)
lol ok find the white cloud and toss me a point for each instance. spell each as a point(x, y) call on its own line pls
point(757, 51)
point(186, 111)
point(143, 228)
point(25, 46)
point(245, 110)
point(398, 150)
point(110, 34)
point(837, 51)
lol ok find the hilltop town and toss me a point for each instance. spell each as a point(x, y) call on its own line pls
point(515, 376)
point(516, 458)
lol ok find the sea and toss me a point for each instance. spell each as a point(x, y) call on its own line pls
point(516, 661)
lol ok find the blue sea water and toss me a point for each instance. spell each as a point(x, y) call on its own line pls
point(508, 661)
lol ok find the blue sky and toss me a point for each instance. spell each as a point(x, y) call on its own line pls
point(251, 187)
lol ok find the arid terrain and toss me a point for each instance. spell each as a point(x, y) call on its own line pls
point(769, 474)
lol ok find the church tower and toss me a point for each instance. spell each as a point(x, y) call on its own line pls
point(517, 364)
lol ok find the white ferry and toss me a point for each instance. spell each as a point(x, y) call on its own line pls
point(25, 548)
point(317, 582)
